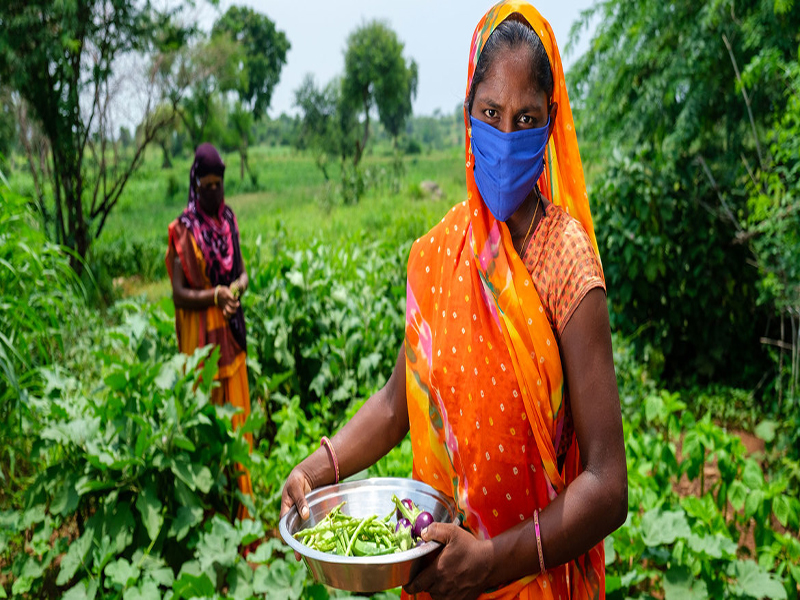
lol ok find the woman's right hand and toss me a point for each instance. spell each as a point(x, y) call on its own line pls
point(226, 302)
point(297, 485)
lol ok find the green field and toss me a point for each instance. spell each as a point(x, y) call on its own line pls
point(325, 319)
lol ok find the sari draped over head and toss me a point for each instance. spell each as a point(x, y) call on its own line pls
point(216, 236)
point(484, 381)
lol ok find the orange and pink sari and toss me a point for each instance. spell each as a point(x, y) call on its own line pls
point(484, 381)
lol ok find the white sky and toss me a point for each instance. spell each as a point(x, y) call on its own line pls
point(436, 34)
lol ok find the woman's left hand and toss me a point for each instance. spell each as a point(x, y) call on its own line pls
point(459, 570)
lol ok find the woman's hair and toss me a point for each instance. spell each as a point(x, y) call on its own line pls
point(511, 34)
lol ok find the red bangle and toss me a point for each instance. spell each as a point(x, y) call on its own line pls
point(538, 540)
point(329, 447)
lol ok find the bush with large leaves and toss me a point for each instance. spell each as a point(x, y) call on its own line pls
point(683, 91)
point(134, 471)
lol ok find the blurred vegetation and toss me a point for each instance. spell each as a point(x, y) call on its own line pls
point(689, 121)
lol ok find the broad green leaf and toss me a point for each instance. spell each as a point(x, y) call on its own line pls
point(119, 525)
point(183, 442)
point(194, 586)
point(714, 546)
point(75, 556)
point(66, 499)
point(679, 584)
point(102, 553)
point(31, 571)
point(611, 554)
point(265, 550)
point(753, 503)
point(295, 278)
point(83, 590)
point(117, 380)
point(149, 507)
point(250, 531)
point(737, 494)
point(653, 405)
point(664, 527)
point(203, 478)
point(121, 573)
point(88, 484)
point(752, 580)
point(218, 546)
point(752, 476)
point(181, 468)
point(162, 576)
point(167, 376)
point(185, 496)
point(146, 590)
point(187, 517)
point(279, 581)
point(240, 581)
point(782, 509)
point(766, 430)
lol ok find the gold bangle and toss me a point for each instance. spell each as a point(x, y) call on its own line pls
point(216, 294)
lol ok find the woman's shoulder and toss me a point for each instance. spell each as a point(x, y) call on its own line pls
point(563, 264)
point(560, 225)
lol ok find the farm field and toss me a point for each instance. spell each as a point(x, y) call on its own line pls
point(709, 515)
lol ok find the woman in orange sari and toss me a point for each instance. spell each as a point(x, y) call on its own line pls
point(506, 381)
point(205, 265)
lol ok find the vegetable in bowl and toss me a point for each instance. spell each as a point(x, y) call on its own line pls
point(345, 535)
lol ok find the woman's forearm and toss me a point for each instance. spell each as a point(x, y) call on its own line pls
point(191, 299)
point(586, 512)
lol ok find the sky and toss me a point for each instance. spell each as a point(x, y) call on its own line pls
point(436, 34)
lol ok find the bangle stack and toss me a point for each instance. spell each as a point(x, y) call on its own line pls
point(216, 295)
point(329, 447)
point(538, 540)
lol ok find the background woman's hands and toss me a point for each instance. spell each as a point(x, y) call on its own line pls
point(226, 302)
point(459, 570)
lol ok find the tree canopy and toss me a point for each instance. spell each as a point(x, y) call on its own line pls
point(678, 99)
point(60, 58)
point(264, 50)
point(377, 75)
point(263, 54)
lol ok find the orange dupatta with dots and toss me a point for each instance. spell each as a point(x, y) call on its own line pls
point(484, 382)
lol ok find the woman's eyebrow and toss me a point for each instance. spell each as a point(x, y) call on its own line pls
point(488, 102)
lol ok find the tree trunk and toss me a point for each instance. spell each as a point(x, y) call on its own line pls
point(166, 163)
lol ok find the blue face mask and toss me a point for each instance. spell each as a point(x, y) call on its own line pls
point(507, 165)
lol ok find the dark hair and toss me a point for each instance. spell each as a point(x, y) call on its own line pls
point(513, 33)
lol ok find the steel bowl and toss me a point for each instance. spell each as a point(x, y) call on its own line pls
point(364, 498)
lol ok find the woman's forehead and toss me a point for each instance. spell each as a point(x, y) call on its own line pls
point(510, 72)
point(210, 178)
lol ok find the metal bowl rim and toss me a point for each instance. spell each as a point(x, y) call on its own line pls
point(384, 559)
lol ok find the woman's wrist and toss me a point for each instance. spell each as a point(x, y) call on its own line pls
point(319, 468)
point(215, 295)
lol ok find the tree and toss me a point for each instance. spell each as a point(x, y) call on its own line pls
point(263, 55)
point(328, 127)
point(196, 78)
point(376, 74)
point(60, 58)
point(8, 125)
point(666, 87)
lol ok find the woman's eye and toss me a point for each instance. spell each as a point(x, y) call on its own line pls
point(490, 112)
point(526, 120)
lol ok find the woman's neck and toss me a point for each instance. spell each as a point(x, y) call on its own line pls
point(523, 222)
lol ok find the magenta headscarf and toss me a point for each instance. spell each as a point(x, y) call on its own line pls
point(217, 238)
